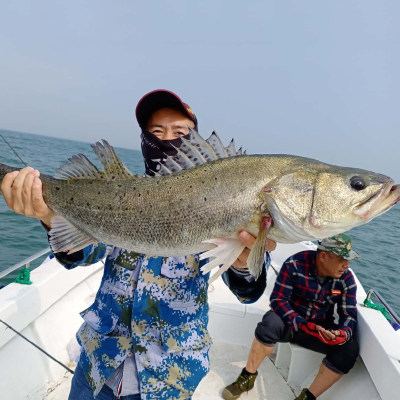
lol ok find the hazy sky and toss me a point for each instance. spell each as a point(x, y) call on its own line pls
point(312, 78)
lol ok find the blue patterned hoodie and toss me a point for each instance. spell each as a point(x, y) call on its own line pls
point(155, 308)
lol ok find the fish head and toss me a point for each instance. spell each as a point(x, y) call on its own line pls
point(347, 197)
point(319, 200)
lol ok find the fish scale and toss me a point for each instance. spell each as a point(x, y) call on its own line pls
point(150, 202)
point(192, 210)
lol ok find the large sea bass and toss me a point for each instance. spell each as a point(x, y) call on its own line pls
point(203, 197)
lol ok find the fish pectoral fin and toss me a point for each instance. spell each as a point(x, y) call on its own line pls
point(256, 257)
point(224, 255)
point(65, 237)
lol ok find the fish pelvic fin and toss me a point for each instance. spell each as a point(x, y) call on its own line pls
point(65, 237)
point(224, 255)
point(80, 167)
point(256, 257)
point(198, 151)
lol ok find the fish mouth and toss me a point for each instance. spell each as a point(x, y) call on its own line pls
point(380, 202)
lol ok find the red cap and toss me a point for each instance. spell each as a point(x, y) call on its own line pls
point(157, 99)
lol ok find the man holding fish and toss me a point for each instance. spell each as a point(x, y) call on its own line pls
point(146, 334)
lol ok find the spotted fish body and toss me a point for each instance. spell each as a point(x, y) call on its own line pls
point(203, 197)
point(170, 215)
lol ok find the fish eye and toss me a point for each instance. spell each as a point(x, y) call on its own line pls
point(357, 183)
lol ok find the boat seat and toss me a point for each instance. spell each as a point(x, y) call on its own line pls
point(296, 364)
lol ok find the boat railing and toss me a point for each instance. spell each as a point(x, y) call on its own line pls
point(25, 262)
point(383, 302)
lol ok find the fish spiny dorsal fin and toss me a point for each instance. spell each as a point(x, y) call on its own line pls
point(191, 152)
point(202, 146)
point(113, 166)
point(231, 149)
point(197, 151)
point(78, 167)
point(170, 166)
point(182, 160)
point(164, 170)
point(155, 174)
point(215, 142)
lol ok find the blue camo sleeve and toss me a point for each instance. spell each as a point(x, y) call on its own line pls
point(243, 285)
point(82, 258)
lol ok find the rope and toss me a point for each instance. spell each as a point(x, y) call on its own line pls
point(24, 277)
point(9, 145)
point(39, 348)
point(382, 309)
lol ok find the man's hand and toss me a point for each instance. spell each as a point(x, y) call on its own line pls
point(248, 240)
point(331, 338)
point(22, 191)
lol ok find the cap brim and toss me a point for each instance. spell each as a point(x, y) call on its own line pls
point(352, 256)
point(157, 99)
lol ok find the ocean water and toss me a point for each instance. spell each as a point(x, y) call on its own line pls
point(378, 242)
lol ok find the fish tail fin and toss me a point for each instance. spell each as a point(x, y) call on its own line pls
point(5, 169)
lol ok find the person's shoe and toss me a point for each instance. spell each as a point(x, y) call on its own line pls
point(304, 395)
point(243, 383)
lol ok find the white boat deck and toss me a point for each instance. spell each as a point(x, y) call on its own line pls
point(47, 313)
point(226, 363)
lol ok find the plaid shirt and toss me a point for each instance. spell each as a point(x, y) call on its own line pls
point(299, 297)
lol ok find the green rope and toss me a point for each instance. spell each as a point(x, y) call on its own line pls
point(24, 277)
point(382, 309)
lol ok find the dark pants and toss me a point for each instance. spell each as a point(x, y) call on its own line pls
point(81, 390)
point(339, 358)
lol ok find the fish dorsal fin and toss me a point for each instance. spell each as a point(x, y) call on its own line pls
point(197, 151)
point(231, 149)
point(170, 166)
point(191, 152)
point(164, 170)
point(203, 148)
point(78, 167)
point(183, 160)
point(216, 143)
point(113, 166)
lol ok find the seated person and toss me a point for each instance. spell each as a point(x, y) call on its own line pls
point(307, 288)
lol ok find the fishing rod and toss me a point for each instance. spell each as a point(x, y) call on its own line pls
point(39, 348)
point(5, 323)
point(14, 151)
